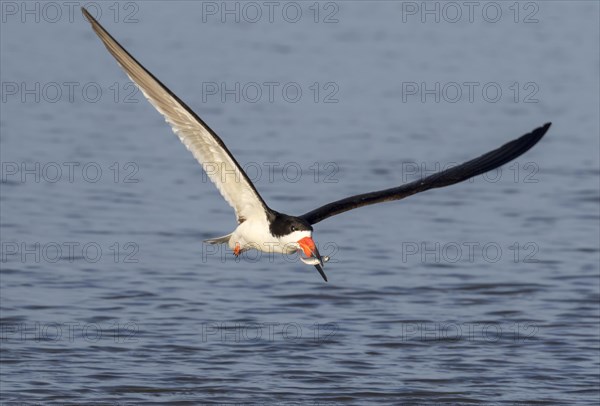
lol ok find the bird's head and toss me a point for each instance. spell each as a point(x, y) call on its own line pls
point(295, 234)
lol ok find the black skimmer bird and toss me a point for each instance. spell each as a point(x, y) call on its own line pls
point(259, 226)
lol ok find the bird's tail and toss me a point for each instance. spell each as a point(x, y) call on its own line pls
point(219, 240)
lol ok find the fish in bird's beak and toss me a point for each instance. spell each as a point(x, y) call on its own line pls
point(309, 248)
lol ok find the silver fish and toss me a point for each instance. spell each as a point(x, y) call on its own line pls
point(314, 261)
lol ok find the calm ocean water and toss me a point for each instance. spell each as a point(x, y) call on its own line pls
point(486, 292)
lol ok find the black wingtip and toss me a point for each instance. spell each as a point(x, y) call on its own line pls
point(541, 131)
point(533, 137)
point(545, 127)
point(320, 269)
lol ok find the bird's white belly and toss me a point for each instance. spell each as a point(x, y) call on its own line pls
point(255, 234)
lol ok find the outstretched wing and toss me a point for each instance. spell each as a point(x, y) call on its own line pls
point(456, 174)
point(206, 146)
